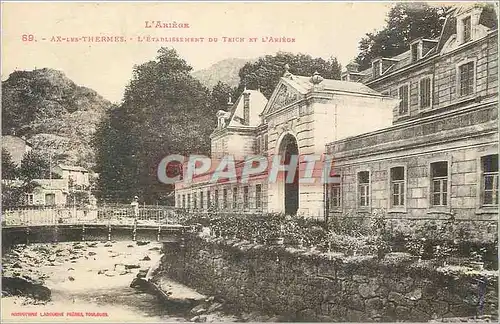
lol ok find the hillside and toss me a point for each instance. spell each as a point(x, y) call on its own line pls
point(225, 71)
point(53, 113)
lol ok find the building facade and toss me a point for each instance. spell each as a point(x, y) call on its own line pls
point(76, 176)
point(415, 135)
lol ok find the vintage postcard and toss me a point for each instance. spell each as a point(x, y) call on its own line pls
point(249, 161)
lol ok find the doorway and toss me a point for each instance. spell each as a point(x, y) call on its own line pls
point(289, 148)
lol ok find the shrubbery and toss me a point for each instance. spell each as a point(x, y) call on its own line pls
point(352, 234)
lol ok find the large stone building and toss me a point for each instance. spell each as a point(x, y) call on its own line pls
point(415, 134)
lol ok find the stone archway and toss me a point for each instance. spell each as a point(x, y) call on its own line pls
point(288, 148)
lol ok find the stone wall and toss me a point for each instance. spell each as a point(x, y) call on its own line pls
point(301, 284)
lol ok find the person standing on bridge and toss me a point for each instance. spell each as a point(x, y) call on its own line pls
point(135, 205)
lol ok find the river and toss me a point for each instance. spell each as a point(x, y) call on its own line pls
point(88, 283)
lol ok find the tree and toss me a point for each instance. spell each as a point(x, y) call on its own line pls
point(9, 168)
point(164, 111)
point(267, 71)
point(406, 21)
point(221, 93)
point(35, 166)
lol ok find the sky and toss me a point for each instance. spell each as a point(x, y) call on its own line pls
point(321, 29)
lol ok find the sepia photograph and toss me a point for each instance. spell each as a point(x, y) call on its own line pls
point(245, 161)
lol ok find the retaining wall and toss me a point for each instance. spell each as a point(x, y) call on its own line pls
point(301, 284)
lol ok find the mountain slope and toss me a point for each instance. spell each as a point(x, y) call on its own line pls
point(54, 114)
point(226, 71)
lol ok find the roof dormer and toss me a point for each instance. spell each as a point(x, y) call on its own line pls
point(467, 21)
point(351, 73)
point(380, 65)
point(420, 47)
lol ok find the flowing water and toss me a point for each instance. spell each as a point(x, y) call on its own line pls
point(90, 284)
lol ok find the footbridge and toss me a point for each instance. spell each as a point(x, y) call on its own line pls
point(104, 223)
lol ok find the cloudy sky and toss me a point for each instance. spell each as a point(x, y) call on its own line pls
point(319, 29)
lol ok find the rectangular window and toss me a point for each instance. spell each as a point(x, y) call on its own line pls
point(335, 195)
point(183, 201)
point(189, 201)
point(195, 200)
point(489, 183)
point(466, 79)
point(398, 187)
point(376, 69)
point(178, 201)
point(403, 97)
point(209, 203)
point(439, 183)
point(216, 198)
point(258, 196)
point(257, 145)
point(414, 52)
point(50, 199)
point(467, 29)
point(235, 198)
point(224, 198)
point(265, 143)
point(29, 199)
point(245, 197)
point(364, 189)
point(201, 200)
point(425, 93)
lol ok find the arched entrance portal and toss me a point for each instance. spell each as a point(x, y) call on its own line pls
point(289, 148)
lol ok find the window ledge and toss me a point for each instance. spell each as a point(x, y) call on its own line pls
point(445, 211)
point(487, 210)
point(397, 210)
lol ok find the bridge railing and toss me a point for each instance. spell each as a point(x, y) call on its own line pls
point(116, 215)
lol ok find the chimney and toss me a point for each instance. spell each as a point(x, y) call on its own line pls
point(246, 108)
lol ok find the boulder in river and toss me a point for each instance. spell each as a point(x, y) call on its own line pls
point(17, 265)
point(110, 273)
point(132, 266)
point(24, 287)
point(146, 258)
point(120, 268)
point(140, 243)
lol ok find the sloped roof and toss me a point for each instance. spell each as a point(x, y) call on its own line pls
point(257, 103)
point(334, 85)
point(487, 18)
point(72, 168)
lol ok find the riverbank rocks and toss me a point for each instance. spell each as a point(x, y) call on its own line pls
point(146, 258)
point(141, 243)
